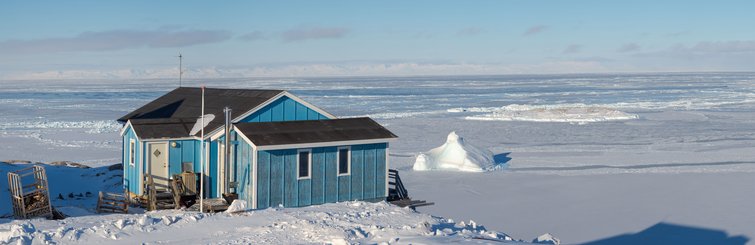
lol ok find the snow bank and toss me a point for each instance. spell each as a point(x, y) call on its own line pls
point(333, 223)
point(457, 155)
point(571, 113)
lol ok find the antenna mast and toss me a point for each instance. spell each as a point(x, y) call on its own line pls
point(180, 69)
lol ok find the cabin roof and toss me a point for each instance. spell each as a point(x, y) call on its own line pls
point(184, 103)
point(162, 127)
point(313, 131)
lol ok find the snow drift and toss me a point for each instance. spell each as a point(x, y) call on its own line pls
point(457, 155)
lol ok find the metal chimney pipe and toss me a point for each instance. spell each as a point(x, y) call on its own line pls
point(227, 158)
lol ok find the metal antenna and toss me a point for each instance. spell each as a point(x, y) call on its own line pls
point(180, 69)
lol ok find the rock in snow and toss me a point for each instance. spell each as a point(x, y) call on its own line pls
point(546, 238)
point(456, 155)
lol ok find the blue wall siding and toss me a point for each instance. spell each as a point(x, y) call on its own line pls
point(317, 184)
point(284, 109)
point(242, 166)
point(131, 174)
point(185, 151)
point(263, 179)
point(276, 178)
point(212, 170)
point(357, 172)
point(278, 183)
point(369, 172)
point(380, 171)
point(331, 174)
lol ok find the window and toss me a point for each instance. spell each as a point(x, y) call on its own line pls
point(305, 165)
point(344, 168)
point(131, 152)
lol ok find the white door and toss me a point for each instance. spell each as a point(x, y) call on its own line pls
point(158, 164)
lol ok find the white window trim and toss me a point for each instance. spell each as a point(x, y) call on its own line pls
point(131, 152)
point(309, 163)
point(348, 161)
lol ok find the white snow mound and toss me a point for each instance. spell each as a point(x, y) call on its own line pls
point(236, 206)
point(455, 155)
point(546, 238)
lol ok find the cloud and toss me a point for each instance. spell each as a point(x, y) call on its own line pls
point(319, 70)
point(572, 49)
point(304, 33)
point(720, 47)
point(629, 47)
point(253, 36)
point(116, 40)
point(469, 31)
point(534, 30)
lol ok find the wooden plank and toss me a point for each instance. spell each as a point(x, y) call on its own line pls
point(331, 175)
point(357, 172)
point(289, 109)
point(301, 112)
point(317, 185)
point(290, 183)
point(276, 178)
point(380, 171)
point(263, 179)
point(277, 111)
point(369, 172)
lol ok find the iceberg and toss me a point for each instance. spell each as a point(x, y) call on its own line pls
point(457, 155)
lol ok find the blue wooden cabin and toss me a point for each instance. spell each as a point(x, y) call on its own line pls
point(283, 150)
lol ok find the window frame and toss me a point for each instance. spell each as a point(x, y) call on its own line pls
point(309, 164)
point(348, 161)
point(132, 152)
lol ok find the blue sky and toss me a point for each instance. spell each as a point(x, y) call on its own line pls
point(132, 39)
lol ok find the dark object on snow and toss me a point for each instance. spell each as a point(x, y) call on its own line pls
point(60, 196)
point(229, 197)
point(57, 215)
point(70, 195)
point(398, 195)
point(114, 167)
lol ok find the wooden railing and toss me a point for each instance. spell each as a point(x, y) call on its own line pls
point(396, 189)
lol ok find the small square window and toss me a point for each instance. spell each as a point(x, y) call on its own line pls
point(131, 152)
point(344, 168)
point(304, 164)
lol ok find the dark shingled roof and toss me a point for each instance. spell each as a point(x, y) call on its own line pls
point(163, 127)
point(185, 104)
point(313, 131)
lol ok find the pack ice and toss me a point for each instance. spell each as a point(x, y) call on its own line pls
point(457, 155)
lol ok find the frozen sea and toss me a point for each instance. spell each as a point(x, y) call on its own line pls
point(588, 156)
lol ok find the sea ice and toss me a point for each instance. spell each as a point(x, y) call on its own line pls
point(455, 154)
point(572, 113)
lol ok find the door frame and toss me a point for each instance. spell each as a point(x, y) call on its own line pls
point(167, 159)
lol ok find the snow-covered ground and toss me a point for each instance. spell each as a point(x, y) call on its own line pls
point(588, 156)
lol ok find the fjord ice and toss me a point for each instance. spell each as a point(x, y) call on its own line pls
point(589, 156)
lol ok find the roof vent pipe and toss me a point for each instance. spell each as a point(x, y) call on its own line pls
point(227, 148)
